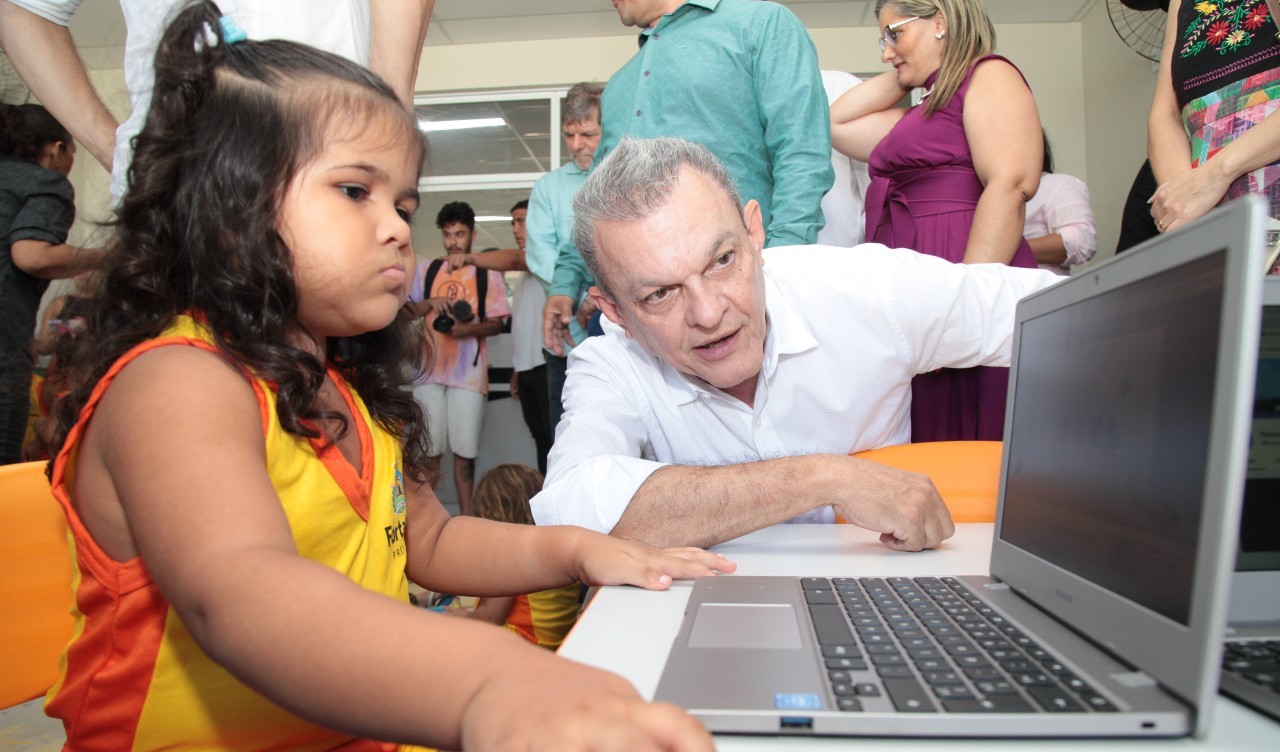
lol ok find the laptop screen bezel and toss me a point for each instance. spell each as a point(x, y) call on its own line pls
point(1149, 641)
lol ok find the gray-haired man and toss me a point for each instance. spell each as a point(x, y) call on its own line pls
point(550, 227)
point(733, 383)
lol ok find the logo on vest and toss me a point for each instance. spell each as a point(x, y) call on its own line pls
point(397, 493)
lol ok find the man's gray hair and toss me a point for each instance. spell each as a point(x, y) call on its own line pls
point(633, 182)
point(582, 103)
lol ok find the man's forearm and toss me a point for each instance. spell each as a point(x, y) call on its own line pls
point(398, 29)
point(502, 260)
point(681, 505)
point(44, 55)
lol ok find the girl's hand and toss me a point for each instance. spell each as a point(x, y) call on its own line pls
point(555, 704)
point(1188, 196)
point(605, 560)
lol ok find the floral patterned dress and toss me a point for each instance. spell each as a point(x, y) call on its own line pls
point(1226, 76)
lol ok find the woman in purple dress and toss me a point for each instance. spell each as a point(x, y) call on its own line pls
point(948, 180)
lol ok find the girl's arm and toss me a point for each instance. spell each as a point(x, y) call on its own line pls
point(1002, 126)
point(493, 610)
point(865, 114)
point(1167, 144)
point(172, 467)
point(521, 559)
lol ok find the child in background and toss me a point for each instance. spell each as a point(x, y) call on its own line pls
point(545, 617)
point(244, 475)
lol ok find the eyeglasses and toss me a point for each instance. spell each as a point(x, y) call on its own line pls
point(889, 38)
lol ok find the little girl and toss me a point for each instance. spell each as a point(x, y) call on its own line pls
point(244, 475)
point(544, 617)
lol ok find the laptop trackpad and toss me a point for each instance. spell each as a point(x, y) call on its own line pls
point(742, 625)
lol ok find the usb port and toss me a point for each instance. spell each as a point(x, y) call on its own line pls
point(796, 722)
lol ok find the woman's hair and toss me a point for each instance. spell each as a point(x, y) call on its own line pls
point(503, 494)
point(970, 36)
point(230, 126)
point(1048, 153)
point(25, 129)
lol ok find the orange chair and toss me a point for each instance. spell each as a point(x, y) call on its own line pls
point(35, 584)
point(966, 473)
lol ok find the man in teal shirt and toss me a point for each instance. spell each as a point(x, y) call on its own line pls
point(550, 223)
point(739, 77)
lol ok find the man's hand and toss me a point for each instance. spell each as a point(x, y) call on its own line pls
point(586, 311)
point(459, 260)
point(905, 508)
point(556, 315)
point(515, 386)
point(439, 305)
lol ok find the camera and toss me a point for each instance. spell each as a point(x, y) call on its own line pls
point(460, 310)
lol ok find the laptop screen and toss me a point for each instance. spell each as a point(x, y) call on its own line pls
point(1108, 478)
point(1260, 522)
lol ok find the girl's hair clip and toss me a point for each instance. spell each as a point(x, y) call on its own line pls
point(231, 32)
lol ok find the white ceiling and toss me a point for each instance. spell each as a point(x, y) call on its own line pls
point(99, 26)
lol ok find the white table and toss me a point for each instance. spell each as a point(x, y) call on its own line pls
point(629, 631)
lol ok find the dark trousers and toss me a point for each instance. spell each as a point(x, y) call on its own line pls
point(15, 404)
point(556, 369)
point(535, 405)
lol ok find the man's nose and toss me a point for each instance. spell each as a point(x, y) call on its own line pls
point(706, 305)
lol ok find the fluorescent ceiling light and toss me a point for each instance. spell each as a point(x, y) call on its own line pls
point(457, 125)
point(489, 218)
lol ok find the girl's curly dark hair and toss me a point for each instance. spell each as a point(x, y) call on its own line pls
point(229, 128)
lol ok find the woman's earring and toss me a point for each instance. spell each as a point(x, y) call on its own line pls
point(939, 35)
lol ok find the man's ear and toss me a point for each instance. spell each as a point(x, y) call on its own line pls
point(754, 222)
point(606, 305)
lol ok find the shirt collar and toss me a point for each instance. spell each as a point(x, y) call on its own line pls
point(707, 5)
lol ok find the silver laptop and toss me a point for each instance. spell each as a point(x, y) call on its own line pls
point(1104, 615)
point(1251, 661)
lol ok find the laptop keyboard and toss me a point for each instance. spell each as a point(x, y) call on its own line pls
point(1257, 661)
point(932, 646)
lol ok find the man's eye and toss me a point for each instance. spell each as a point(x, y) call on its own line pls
point(724, 259)
point(405, 214)
point(354, 192)
point(657, 296)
